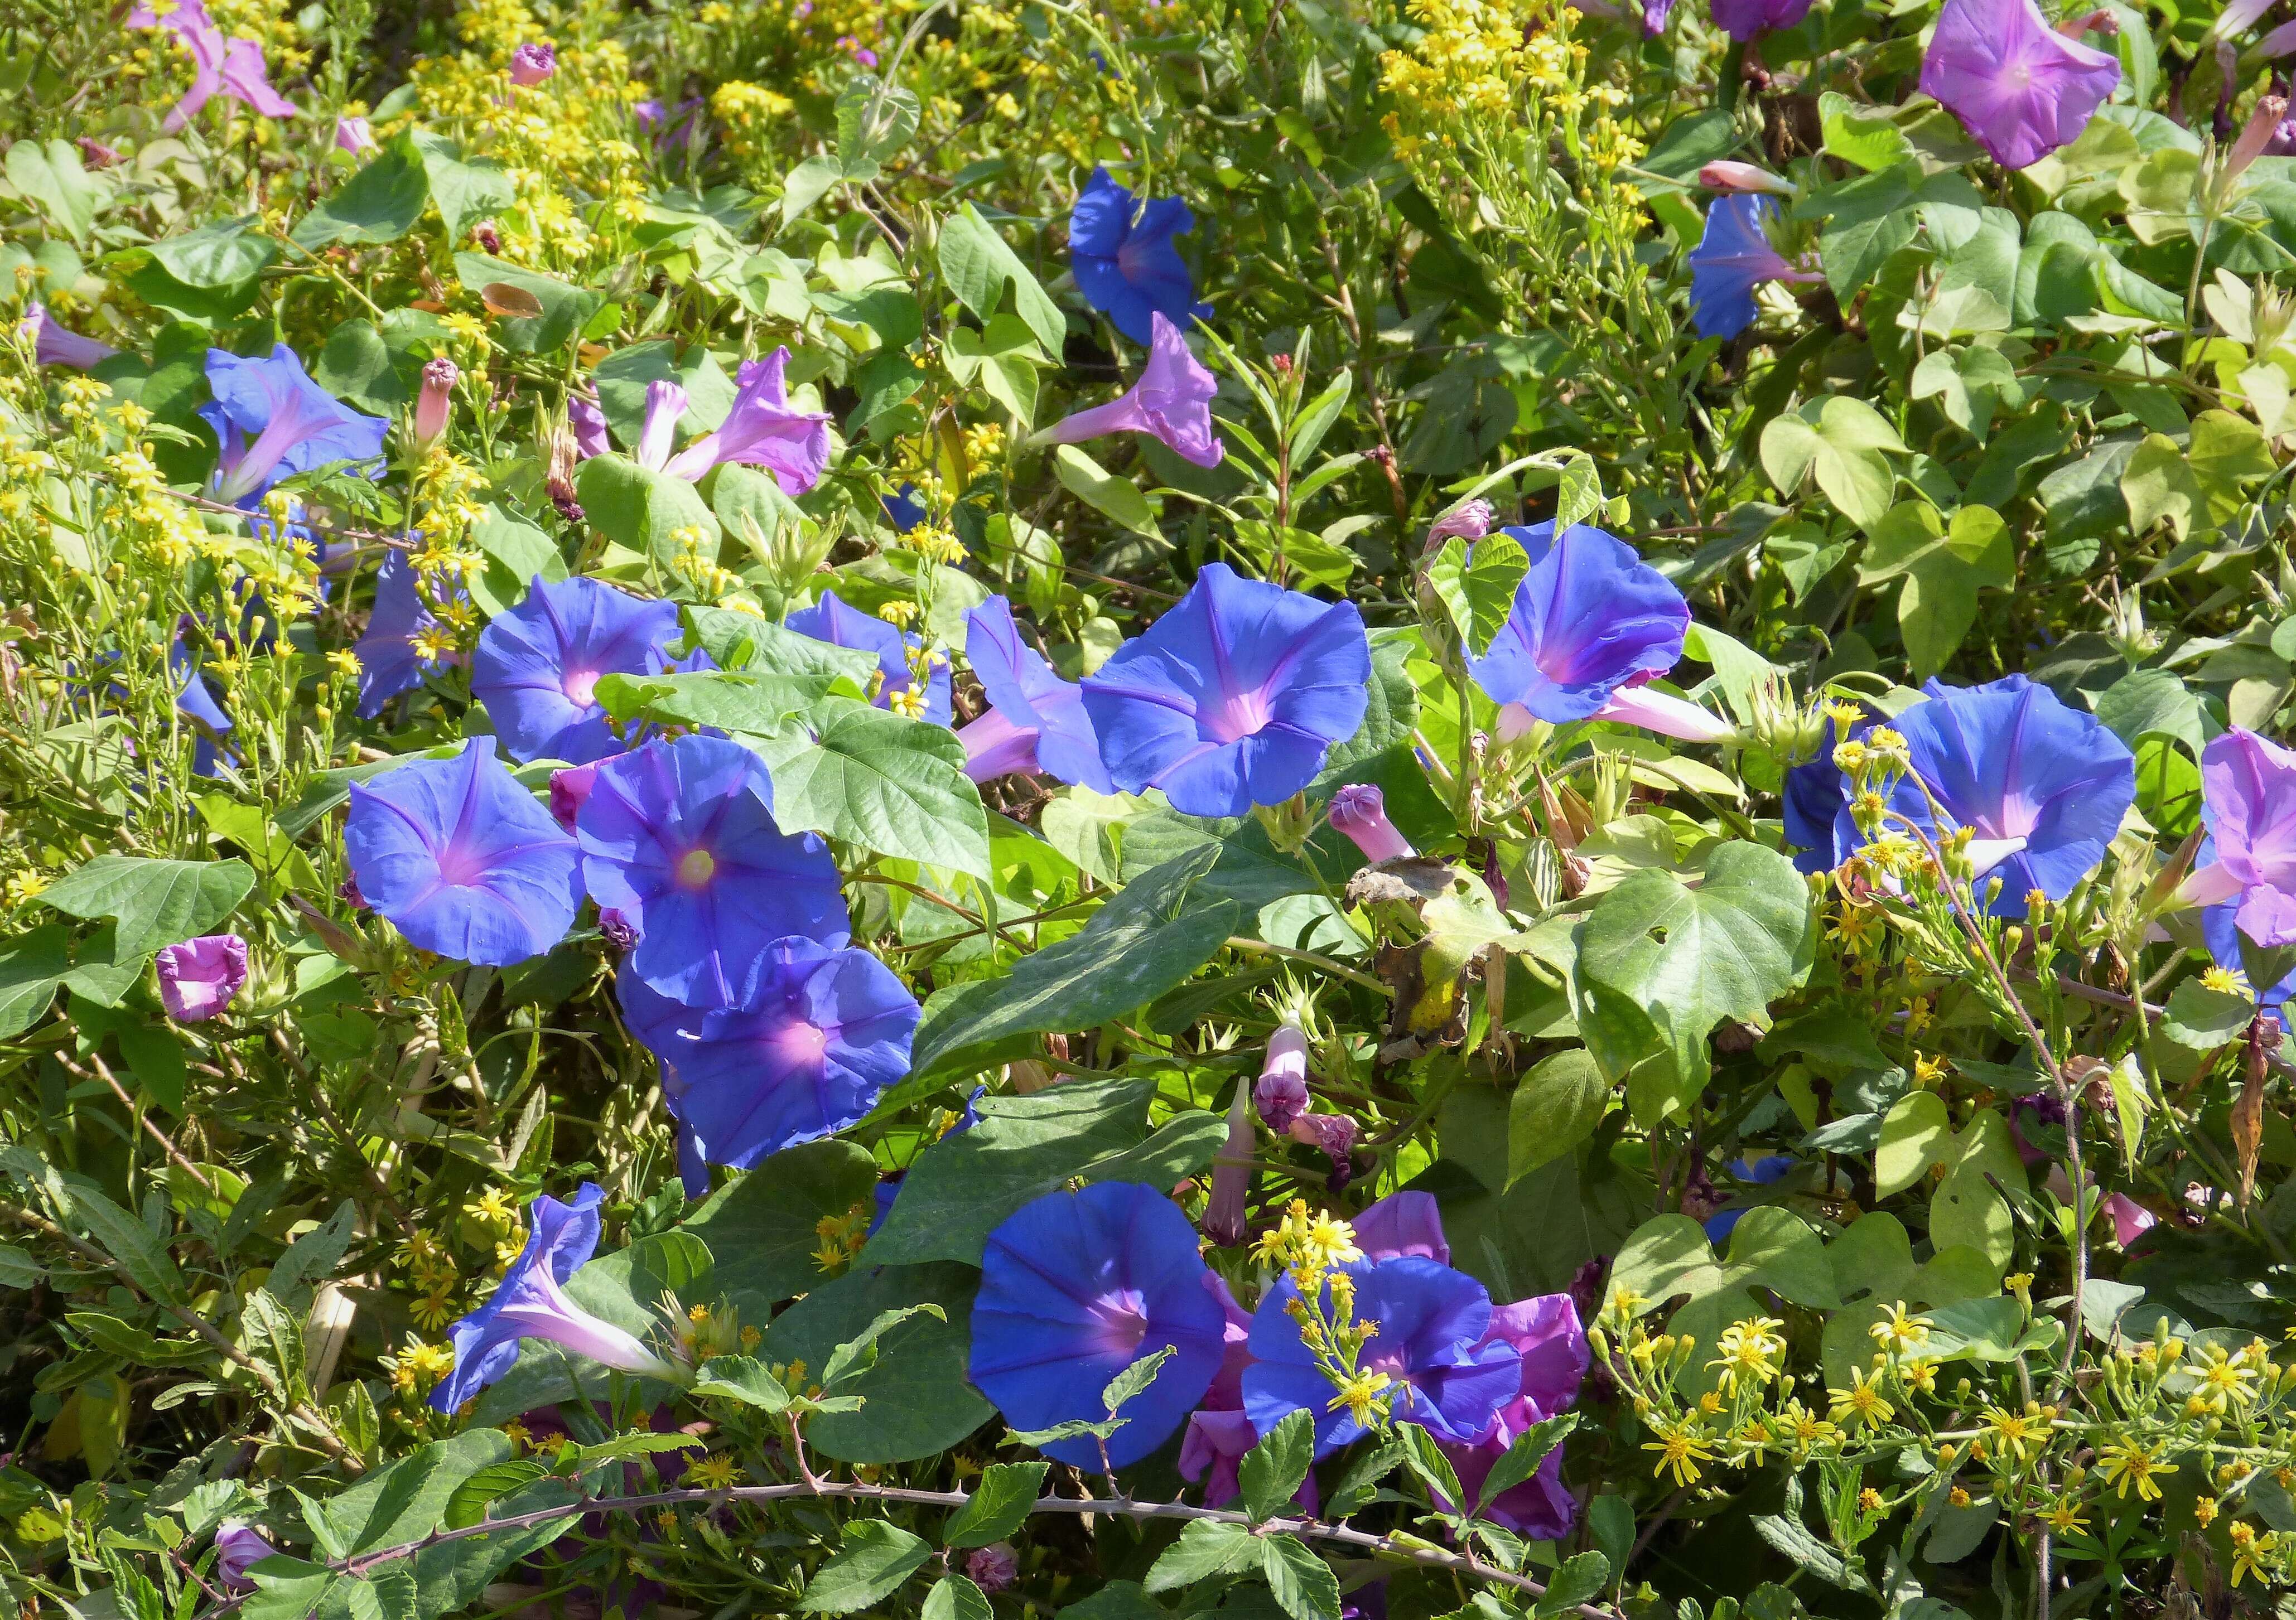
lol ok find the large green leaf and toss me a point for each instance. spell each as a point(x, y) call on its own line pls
point(1661, 964)
point(646, 510)
point(1770, 1247)
point(157, 903)
point(763, 1229)
point(50, 174)
point(566, 308)
point(1148, 940)
point(381, 202)
point(1943, 567)
point(1846, 444)
point(874, 1560)
point(1477, 587)
point(30, 969)
point(888, 783)
point(1555, 1107)
point(915, 1400)
point(464, 188)
point(976, 263)
point(1024, 1147)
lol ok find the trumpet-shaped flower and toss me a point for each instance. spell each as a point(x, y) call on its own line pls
point(1745, 20)
point(273, 421)
point(530, 1302)
point(1219, 1432)
point(588, 423)
point(2248, 798)
point(1360, 811)
point(239, 1548)
point(1446, 1370)
point(657, 433)
point(1171, 403)
point(537, 667)
point(1233, 697)
point(1281, 1092)
point(2041, 785)
point(1036, 721)
point(56, 344)
point(199, 977)
point(388, 661)
point(1076, 1286)
point(679, 837)
point(820, 1033)
point(1126, 263)
point(2017, 86)
point(354, 135)
point(1591, 623)
point(833, 620)
point(232, 68)
point(462, 860)
point(533, 61)
point(763, 429)
point(1732, 258)
point(1545, 1333)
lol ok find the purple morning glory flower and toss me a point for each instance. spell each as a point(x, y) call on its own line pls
point(1591, 623)
point(833, 620)
point(820, 1033)
point(1219, 1433)
point(1232, 698)
point(389, 664)
point(1172, 402)
point(2018, 86)
point(530, 1302)
point(537, 667)
point(2220, 929)
point(354, 135)
point(233, 68)
point(1545, 1334)
point(1450, 1374)
point(1281, 1092)
point(1074, 1289)
point(763, 429)
point(1744, 20)
point(657, 433)
point(1762, 1172)
point(2248, 798)
point(56, 344)
point(198, 977)
point(679, 837)
point(588, 423)
point(1127, 265)
point(1403, 1224)
point(533, 61)
point(462, 859)
point(2041, 785)
point(239, 1548)
point(1360, 811)
point(1730, 259)
point(1036, 721)
point(274, 422)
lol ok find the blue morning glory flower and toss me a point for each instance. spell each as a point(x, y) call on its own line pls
point(1036, 721)
point(1127, 265)
point(1764, 1172)
point(273, 421)
point(2042, 786)
point(833, 620)
point(1233, 697)
point(530, 1303)
point(820, 1033)
point(1734, 257)
point(1450, 1375)
point(197, 703)
point(679, 837)
point(537, 667)
point(903, 510)
point(1591, 623)
point(1074, 1289)
point(1815, 795)
point(462, 860)
point(389, 664)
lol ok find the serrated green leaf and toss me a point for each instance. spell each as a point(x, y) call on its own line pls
point(1271, 1471)
point(873, 1561)
point(998, 1506)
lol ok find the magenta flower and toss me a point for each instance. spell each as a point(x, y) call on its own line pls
point(1468, 520)
point(54, 344)
point(233, 67)
point(354, 135)
point(1360, 811)
point(1036, 721)
point(273, 421)
point(1172, 403)
point(1219, 1431)
point(1334, 1136)
point(1545, 1334)
point(1724, 176)
point(1233, 697)
point(1280, 1095)
point(239, 1548)
point(1744, 20)
point(2018, 86)
point(462, 859)
point(679, 837)
point(820, 1033)
point(2248, 798)
point(199, 977)
point(537, 667)
point(657, 433)
point(763, 429)
point(530, 1302)
point(435, 406)
point(993, 1568)
point(533, 61)
point(1232, 1172)
point(1730, 259)
point(1076, 1286)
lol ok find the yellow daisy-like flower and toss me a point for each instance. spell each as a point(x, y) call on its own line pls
point(1751, 1351)
point(432, 1312)
point(2125, 1462)
point(1903, 1332)
point(2065, 1518)
point(1861, 1404)
point(909, 702)
point(2015, 1433)
point(1361, 1395)
point(2224, 981)
point(714, 1472)
point(2253, 1554)
point(1680, 1449)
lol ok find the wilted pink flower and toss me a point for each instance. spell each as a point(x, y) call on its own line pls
point(55, 344)
point(1724, 176)
point(994, 1567)
point(1470, 520)
point(436, 405)
point(1172, 402)
point(1360, 811)
point(532, 62)
point(1335, 1134)
point(199, 977)
point(2019, 87)
point(354, 135)
point(1282, 1094)
point(95, 154)
point(589, 425)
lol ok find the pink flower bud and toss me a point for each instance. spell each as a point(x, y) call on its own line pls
point(589, 425)
point(1360, 811)
point(533, 63)
point(1282, 1094)
point(199, 977)
point(436, 404)
point(2263, 125)
point(568, 789)
point(994, 1567)
point(2098, 22)
point(1231, 1172)
point(1469, 521)
point(354, 135)
point(1727, 177)
point(1335, 1134)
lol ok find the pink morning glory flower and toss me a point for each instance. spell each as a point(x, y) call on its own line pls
point(232, 68)
point(1172, 402)
point(199, 977)
point(2018, 86)
point(763, 429)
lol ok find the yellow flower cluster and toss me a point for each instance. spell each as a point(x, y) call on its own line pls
point(748, 112)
